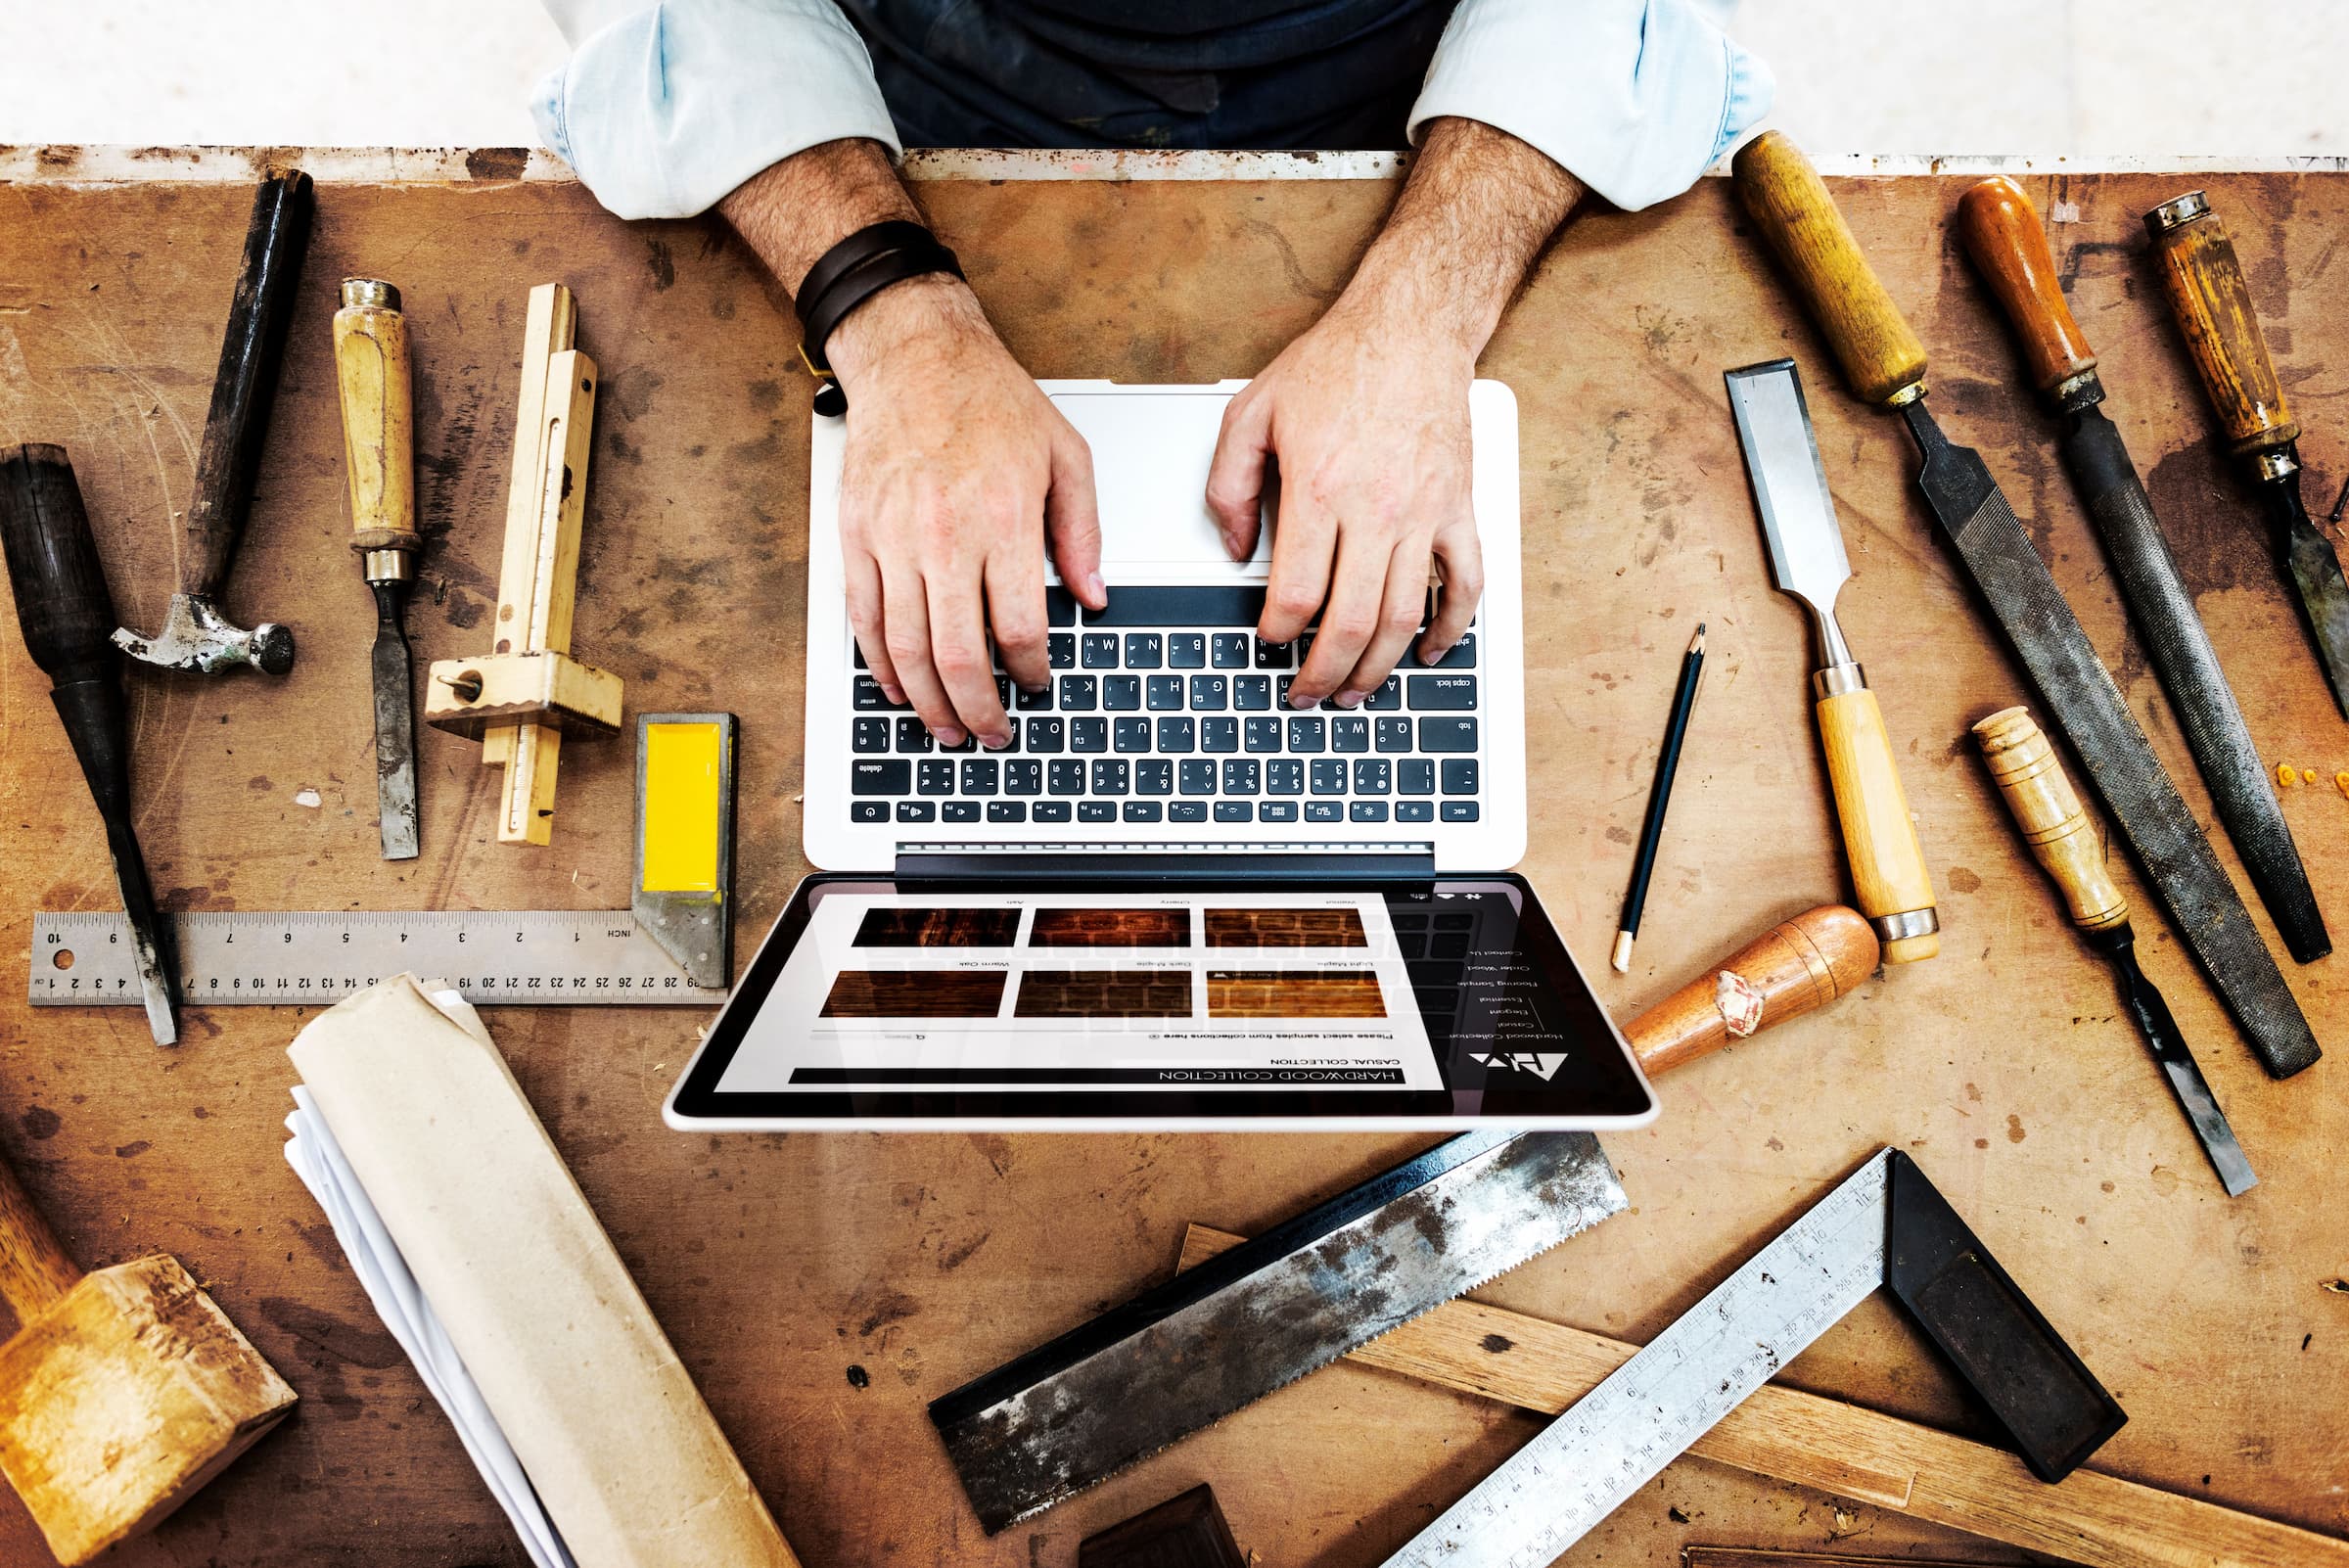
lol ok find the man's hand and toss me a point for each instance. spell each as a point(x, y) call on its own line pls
point(958, 467)
point(1367, 415)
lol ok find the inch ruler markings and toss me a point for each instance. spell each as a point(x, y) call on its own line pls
point(502, 958)
point(1583, 1465)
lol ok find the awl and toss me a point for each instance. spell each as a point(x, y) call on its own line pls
point(2030, 777)
point(371, 371)
point(1215, 1338)
point(2213, 304)
point(1886, 365)
point(2003, 233)
point(1807, 560)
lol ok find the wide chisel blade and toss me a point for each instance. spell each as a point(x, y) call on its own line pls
point(2074, 685)
point(2201, 1107)
point(394, 731)
point(1263, 1314)
point(2325, 596)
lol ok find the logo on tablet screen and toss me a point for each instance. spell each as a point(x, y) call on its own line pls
point(1542, 1066)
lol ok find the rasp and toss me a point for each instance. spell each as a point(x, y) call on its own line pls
point(371, 373)
point(2213, 304)
point(2004, 234)
point(1885, 364)
point(2040, 797)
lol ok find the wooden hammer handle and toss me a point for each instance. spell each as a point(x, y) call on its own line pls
point(2213, 304)
point(2030, 777)
point(2003, 235)
point(34, 1270)
point(1789, 970)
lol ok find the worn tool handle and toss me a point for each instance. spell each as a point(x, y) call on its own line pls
point(2003, 235)
point(1881, 358)
point(1879, 836)
point(67, 615)
point(2039, 795)
point(1792, 968)
point(243, 388)
point(2213, 306)
point(34, 1270)
point(371, 373)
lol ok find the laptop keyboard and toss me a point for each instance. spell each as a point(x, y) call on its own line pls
point(1167, 708)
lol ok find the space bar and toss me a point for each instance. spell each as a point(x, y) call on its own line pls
point(1143, 605)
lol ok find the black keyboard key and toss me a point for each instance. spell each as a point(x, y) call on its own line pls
point(1393, 735)
point(1051, 810)
point(892, 777)
point(1461, 656)
point(1284, 775)
point(1387, 698)
point(1079, 694)
point(1187, 810)
point(1060, 607)
point(1151, 605)
point(1416, 775)
point(1369, 810)
point(1324, 811)
point(1414, 811)
point(1134, 734)
point(1328, 775)
point(1060, 649)
point(871, 735)
point(1166, 694)
point(1460, 775)
point(1209, 693)
point(916, 810)
point(1350, 732)
point(857, 654)
point(1447, 734)
point(1263, 734)
point(981, 775)
point(1451, 693)
point(1186, 650)
point(1219, 734)
point(970, 742)
point(1064, 776)
point(861, 812)
point(1277, 811)
point(1272, 655)
point(1235, 810)
point(1229, 650)
point(1100, 651)
point(1120, 694)
point(1176, 735)
point(1448, 945)
point(866, 696)
point(912, 735)
point(1197, 776)
point(1143, 811)
point(1089, 734)
point(1096, 810)
point(1047, 734)
point(1111, 775)
point(1023, 775)
point(1004, 691)
point(1240, 775)
point(1153, 775)
point(959, 810)
point(1145, 650)
point(1371, 775)
point(1252, 693)
point(1007, 810)
point(1308, 734)
point(934, 775)
point(1460, 811)
point(1038, 700)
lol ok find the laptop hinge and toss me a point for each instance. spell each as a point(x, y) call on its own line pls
point(1092, 863)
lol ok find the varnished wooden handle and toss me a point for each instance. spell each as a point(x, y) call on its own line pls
point(371, 372)
point(1782, 192)
point(2213, 306)
point(2003, 235)
point(34, 1270)
point(1791, 969)
point(2030, 775)
point(1888, 865)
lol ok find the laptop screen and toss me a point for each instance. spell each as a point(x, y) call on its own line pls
point(1434, 1004)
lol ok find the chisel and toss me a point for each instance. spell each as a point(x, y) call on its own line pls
point(1885, 364)
point(1807, 560)
point(2214, 309)
point(2003, 233)
point(371, 371)
point(2031, 778)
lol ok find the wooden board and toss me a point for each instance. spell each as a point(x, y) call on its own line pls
point(823, 1288)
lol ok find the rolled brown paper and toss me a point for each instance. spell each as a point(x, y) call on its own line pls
point(1790, 970)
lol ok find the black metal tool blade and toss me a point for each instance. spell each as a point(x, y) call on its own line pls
point(2168, 1044)
point(2074, 685)
point(395, 724)
point(2170, 629)
point(2317, 573)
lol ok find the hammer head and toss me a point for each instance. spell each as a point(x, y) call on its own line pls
point(197, 636)
point(121, 1399)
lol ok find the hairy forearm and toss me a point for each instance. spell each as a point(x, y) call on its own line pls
point(1476, 210)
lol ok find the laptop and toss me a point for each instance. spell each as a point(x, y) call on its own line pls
point(1175, 903)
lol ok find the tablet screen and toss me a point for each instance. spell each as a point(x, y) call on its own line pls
point(1431, 1005)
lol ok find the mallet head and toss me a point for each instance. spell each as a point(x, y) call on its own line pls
point(197, 636)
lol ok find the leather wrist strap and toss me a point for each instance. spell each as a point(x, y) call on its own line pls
point(855, 269)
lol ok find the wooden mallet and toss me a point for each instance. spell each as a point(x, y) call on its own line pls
point(123, 1392)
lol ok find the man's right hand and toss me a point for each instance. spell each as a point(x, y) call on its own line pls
point(958, 470)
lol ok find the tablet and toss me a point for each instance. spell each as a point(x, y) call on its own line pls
point(1101, 1005)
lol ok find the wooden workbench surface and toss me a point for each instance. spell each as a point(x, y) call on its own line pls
point(824, 1287)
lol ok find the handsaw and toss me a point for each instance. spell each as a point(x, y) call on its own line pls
point(2003, 233)
point(1117, 1388)
point(1885, 364)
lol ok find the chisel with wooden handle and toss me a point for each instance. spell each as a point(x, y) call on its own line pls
point(2003, 233)
point(2030, 777)
point(1885, 364)
point(2205, 284)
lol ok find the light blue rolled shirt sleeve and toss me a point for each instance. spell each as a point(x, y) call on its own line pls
point(1632, 97)
point(663, 110)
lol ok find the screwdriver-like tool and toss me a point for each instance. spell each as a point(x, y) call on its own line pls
point(371, 371)
point(67, 618)
point(2213, 304)
point(1807, 560)
point(2031, 778)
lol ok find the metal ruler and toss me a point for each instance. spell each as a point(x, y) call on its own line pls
point(506, 957)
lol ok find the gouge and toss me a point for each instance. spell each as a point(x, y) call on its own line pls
point(2003, 233)
point(371, 372)
point(1885, 364)
point(2031, 778)
point(1807, 560)
point(2214, 309)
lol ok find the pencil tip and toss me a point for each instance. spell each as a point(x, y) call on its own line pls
point(1696, 644)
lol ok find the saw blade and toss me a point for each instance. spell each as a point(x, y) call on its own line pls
point(1257, 1317)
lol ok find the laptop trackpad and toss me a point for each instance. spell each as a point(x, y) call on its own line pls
point(1151, 452)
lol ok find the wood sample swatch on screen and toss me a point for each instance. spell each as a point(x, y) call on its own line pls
point(915, 993)
point(1293, 993)
point(1285, 928)
point(938, 928)
point(1104, 994)
point(1111, 928)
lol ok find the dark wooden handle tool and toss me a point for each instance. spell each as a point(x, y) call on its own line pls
point(65, 614)
point(2003, 233)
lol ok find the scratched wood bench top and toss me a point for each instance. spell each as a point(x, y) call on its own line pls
point(823, 1288)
